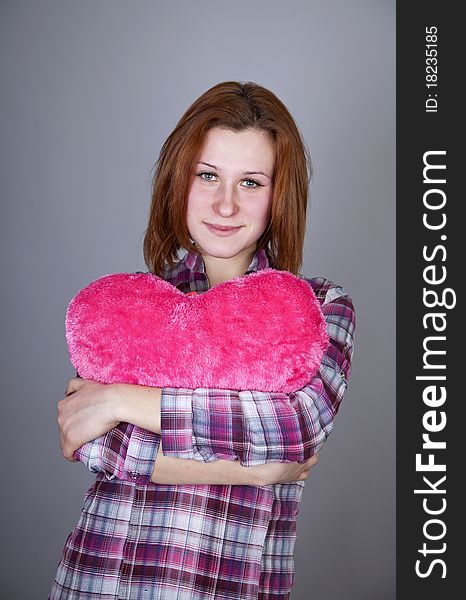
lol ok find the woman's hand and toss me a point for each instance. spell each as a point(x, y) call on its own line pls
point(276, 472)
point(90, 409)
point(86, 412)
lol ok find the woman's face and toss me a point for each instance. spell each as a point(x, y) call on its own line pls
point(231, 192)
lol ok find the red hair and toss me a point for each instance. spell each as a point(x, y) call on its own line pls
point(236, 106)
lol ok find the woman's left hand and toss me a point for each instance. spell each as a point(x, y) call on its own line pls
point(86, 412)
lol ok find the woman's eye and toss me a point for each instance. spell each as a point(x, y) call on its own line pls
point(206, 176)
point(250, 183)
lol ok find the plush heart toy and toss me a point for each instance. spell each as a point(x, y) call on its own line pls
point(263, 331)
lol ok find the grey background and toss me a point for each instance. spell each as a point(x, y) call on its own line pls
point(90, 90)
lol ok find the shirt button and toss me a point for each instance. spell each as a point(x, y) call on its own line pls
point(134, 474)
point(342, 374)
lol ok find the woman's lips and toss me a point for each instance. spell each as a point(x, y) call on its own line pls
point(222, 230)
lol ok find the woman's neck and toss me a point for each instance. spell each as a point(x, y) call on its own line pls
point(219, 270)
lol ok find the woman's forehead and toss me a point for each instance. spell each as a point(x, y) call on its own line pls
point(252, 148)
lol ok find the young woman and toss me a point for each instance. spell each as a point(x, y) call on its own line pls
point(230, 189)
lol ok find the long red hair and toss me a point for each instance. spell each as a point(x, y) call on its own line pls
point(236, 106)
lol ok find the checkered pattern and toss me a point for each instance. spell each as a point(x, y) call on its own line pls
point(136, 539)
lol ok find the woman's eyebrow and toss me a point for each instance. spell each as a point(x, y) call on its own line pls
point(257, 173)
point(244, 173)
point(207, 164)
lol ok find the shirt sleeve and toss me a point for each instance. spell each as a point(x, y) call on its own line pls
point(249, 426)
point(126, 452)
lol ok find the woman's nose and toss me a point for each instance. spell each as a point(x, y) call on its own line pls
point(225, 202)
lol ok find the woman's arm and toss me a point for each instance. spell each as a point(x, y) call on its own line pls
point(255, 427)
point(185, 471)
point(80, 407)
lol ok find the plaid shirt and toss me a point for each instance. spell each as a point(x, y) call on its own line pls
point(140, 540)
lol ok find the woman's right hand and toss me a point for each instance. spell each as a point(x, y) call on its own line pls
point(277, 472)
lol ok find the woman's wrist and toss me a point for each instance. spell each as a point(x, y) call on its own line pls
point(136, 404)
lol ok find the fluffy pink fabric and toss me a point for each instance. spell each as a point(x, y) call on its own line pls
point(264, 331)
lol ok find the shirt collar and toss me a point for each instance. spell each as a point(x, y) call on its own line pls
point(194, 262)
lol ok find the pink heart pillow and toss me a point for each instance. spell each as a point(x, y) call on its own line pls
point(264, 331)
